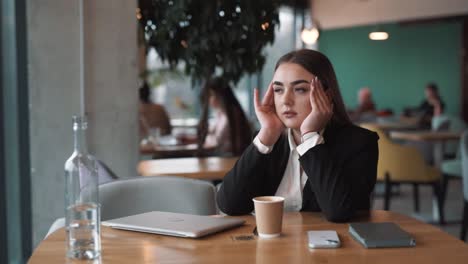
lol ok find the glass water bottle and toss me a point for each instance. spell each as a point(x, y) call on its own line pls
point(82, 206)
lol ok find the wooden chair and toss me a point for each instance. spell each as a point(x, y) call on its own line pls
point(399, 164)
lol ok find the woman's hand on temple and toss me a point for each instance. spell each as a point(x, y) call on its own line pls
point(271, 125)
point(436, 104)
point(322, 109)
point(432, 100)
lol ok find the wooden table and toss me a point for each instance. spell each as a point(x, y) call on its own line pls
point(426, 135)
point(172, 148)
point(393, 125)
point(433, 245)
point(211, 168)
point(403, 123)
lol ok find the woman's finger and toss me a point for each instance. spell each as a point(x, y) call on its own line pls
point(318, 100)
point(322, 98)
point(313, 100)
point(268, 98)
point(256, 101)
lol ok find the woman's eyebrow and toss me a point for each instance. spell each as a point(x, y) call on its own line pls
point(292, 83)
point(299, 81)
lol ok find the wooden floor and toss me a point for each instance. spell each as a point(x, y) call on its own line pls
point(403, 203)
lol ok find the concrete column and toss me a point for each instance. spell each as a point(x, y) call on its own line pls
point(111, 93)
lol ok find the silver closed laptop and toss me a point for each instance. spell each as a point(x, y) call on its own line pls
point(174, 224)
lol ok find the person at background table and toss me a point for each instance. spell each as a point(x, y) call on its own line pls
point(431, 106)
point(366, 110)
point(231, 132)
point(152, 115)
point(307, 149)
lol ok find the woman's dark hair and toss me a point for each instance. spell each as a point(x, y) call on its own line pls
point(433, 87)
point(319, 65)
point(144, 92)
point(239, 126)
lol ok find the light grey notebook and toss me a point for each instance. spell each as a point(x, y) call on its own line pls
point(174, 224)
point(379, 235)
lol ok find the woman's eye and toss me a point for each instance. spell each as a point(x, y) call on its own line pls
point(277, 89)
point(301, 90)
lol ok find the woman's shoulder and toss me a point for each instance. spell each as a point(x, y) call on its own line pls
point(348, 140)
point(354, 133)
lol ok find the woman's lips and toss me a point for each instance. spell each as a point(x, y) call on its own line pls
point(289, 114)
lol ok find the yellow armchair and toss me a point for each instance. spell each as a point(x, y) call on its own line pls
point(405, 164)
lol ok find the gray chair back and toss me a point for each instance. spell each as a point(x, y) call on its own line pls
point(464, 155)
point(160, 193)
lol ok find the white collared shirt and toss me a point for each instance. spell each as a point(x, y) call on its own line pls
point(294, 179)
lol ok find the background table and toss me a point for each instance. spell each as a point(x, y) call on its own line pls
point(212, 168)
point(426, 135)
point(436, 137)
point(171, 147)
point(388, 124)
point(186, 150)
point(240, 246)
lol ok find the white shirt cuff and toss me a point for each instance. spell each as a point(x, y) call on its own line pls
point(264, 149)
point(310, 140)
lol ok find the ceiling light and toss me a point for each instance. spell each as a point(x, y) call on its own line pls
point(378, 35)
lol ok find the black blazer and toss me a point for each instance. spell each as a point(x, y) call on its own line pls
point(341, 174)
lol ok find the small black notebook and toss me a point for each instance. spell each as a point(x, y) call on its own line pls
point(380, 235)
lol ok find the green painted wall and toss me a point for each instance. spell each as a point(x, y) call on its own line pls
point(397, 69)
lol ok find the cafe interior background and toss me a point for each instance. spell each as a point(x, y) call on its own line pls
point(40, 81)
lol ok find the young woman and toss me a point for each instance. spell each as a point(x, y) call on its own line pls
point(231, 132)
point(431, 106)
point(307, 150)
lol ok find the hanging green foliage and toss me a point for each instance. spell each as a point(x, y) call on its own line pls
point(211, 35)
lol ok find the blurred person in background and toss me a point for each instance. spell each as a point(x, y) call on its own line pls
point(366, 107)
point(231, 131)
point(151, 115)
point(431, 106)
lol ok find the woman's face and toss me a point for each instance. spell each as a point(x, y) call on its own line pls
point(291, 87)
point(429, 93)
point(213, 101)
